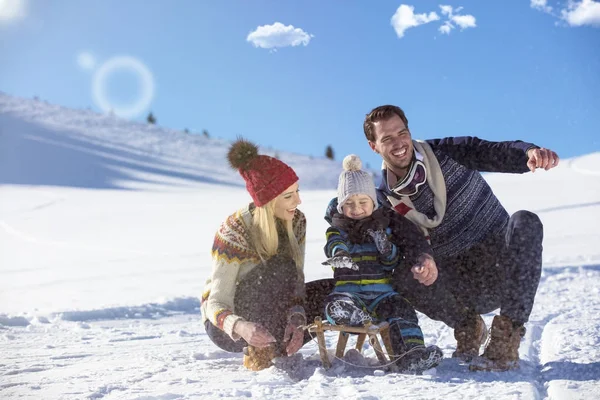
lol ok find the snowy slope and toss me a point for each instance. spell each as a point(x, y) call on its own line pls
point(81, 148)
point(105, 233)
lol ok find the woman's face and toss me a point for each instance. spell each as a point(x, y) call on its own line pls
point(286, 203)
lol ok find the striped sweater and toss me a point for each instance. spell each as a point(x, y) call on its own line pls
point(233, 257)
point(472, 210)
point(374, 270)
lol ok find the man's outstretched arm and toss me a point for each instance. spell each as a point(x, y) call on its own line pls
point(485, 156)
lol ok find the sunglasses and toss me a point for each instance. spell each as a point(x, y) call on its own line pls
point(417, 176)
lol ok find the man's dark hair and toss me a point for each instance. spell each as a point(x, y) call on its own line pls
point(381, 113)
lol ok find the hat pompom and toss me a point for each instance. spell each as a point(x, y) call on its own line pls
point(352, 163)
point(241, 153)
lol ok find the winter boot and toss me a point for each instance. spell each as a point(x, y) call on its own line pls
point(419, 359)
point(258, 358)
point(470, 335)
point(345, 312)
point(502, 352)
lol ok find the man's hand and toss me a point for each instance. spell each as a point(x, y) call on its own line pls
point(294, 337)
point(341, 261)
point(541, 158)
point(425, 271)
point(254, 334)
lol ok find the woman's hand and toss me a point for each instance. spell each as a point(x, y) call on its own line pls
point(294, 337)
point(255, 334)
point(425, 271)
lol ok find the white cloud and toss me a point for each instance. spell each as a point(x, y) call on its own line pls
point(12, 9)
point(405, 18)
point(584, 12)
point(446, 28)
point(541, 5)
point(463, 21)
point(86, 60)
point(278, 35)
point(446, 10)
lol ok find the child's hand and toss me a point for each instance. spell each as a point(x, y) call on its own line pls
point(425, 271)
point(341, 261)
point(381, 241)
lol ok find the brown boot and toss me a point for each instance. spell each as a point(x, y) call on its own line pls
point(502, 352)
point(470, 336)
point(258, 358)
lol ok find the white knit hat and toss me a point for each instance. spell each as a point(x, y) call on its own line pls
point(353, 181)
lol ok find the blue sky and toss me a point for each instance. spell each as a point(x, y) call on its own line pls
point(498, 70)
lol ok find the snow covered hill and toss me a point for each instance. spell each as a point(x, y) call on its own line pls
point(105, 236)
point(45, 144)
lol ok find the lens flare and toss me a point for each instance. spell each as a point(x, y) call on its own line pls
point(11, 10)
point(86, 60)
point(100, 86)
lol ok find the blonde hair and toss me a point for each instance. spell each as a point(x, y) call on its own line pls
point(265, 237)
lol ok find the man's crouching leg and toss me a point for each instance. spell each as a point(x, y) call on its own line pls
point(522, 268)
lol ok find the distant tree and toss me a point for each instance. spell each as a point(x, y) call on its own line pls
point(205, 133)
point(186, 130)
point(329, 152)
point(151, 119)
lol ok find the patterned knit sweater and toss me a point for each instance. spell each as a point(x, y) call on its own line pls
point(233, 257)
point(472, 210)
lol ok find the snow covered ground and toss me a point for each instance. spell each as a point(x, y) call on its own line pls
point(105, 233)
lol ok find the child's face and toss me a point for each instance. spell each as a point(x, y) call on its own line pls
point(358, 206)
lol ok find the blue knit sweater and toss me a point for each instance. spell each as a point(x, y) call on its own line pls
point(473, 212)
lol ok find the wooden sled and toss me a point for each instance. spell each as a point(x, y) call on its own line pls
point(371, 330)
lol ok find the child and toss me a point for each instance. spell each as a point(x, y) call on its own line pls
point(363, 260)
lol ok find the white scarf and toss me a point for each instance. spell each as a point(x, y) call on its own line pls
point(435, 180)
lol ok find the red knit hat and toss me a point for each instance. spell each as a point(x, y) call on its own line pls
point(266, 177)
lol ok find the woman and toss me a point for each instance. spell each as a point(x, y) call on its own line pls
point(255, 300)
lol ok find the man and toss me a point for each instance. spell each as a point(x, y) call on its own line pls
point(486, 258)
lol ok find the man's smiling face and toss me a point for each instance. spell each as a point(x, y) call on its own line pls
point(394, 143)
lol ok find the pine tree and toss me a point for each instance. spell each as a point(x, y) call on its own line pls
point(205, 133)
point(151, 119)
point(329, 152)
